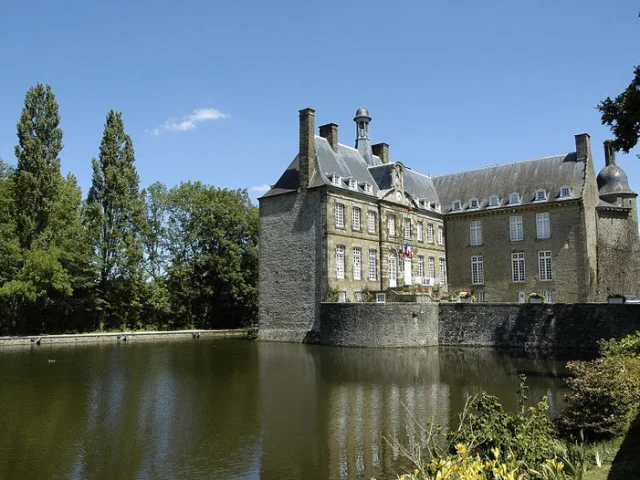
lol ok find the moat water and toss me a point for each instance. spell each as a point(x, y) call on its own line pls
point(234, 409)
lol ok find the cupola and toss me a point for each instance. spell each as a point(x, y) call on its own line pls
point(363, 141)
point(612, 180)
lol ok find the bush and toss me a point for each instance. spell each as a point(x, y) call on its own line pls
point(629, 346)
point(604, 398)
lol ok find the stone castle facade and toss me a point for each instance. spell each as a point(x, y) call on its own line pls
point(344, 223)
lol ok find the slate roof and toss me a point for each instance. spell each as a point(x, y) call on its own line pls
point(524, 177)
point(416, 184)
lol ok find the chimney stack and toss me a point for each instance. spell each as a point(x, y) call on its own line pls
point(307, 154)
point(609, 153)
point(381, 150)
point(583, 146)
point(330, 132)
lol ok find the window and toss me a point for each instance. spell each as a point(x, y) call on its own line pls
point(342, 296)
point(407, 228)
point(544, 265)
point(368, 188)
point(437, 207)
point(474, 203)
point(443, 271)
point(548, 296)
point(456, 206)
point(476, 233)
point(541, 195)
point(432, 268)
point(477, 270)
point(339, 215)
point(340, 262)
point(357, 266)
point(391, 224)
point(514, 198)
point(371, 221)
point(565, 192)
point(494, 201)
point(420, 266)
point(515, 228)
point(373, 255)
point(353, 185)
point(479, 294)
point(440, 236)
point(357, 296)
point(419, 231)
point(336, 180)
point(543, 227)
point(355, 218)
point(430, 232)
point(517, 267)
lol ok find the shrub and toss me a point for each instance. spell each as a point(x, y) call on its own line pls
point(629, 345)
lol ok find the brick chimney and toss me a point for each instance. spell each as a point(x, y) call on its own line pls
point(307, 154)
point(609, 153)
point(583, 146)
point(381, 150)
point(330, 132)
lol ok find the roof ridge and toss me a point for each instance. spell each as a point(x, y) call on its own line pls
point(502, 164)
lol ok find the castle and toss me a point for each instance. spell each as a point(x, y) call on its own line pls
point(343, 222)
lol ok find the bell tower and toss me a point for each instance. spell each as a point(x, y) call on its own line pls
point(363, 141)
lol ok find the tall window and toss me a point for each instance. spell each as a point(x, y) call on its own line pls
point(371, 221)
point(340, 262)
point(544, 265)
point(515, 228)
point(339, 215)
point(517, 267)
point(543, 226)
point(548, 296)
point(430, 232)
point(420, 266)
point(477, 270)
point(419, 231)
point(355, 218)
point(407, 228)
point(443, 271)
point(476, 233)
point(440, 236)
point(357, 263)
point(431, 267)
point(373, 255)
point(391, 224)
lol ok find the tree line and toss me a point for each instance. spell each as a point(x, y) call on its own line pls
point(163, 258)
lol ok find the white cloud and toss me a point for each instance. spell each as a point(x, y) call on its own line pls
point(261, 188)
point(189, 122)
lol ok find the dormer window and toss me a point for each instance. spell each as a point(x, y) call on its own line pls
point(456, 206)
point(336, 180)
point(426, 205)
point(514, 198)
point(368, 188)
point(541, 195)
point(474, 203)
point(494, 201)
point(353, 185)
point(565, 192)
point(437, 207)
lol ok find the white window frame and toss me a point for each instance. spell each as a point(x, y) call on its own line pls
point(437, 207)
point(516, 228)
point(565, 191)
point(340, 262)
point(479, 294)
point(443, 270)
point(477, 270)
point(474, 204)
point(421, 266)
point(357, 263)
point(391, 225)
point(540, 195)
point(368, 188)
point(373, 264)
point(429, 232)
point(456, 206)
point(353, 184)
point(517, 267)
point(431, 268)
point(419, 231)
point(545, 265)
point(336, 180)
point(543, 225)
point(475, 233)
point(440, 236)
point(371, 221)
point(494, 201)
point(514, 198)
point(548, 296)
point(356, 215)
point(340, 215)
point(407, 228)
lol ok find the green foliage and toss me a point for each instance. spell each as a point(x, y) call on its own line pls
point(604, 398)
point(333, 294)
point(628, 345)
point(622, 114)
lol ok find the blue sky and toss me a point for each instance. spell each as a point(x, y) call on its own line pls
point(211, 90)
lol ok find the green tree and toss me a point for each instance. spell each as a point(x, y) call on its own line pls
point(154, 237)
point(115, 217)
point(38, 176)
point(622, 115)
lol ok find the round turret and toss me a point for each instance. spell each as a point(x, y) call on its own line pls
point(612, 181)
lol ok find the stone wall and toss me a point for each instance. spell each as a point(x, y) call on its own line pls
point(378, 325)
point(535, 326)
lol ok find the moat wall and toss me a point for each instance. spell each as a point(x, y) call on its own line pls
point(523, 326)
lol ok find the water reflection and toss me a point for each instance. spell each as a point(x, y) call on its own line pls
point(236, 409)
